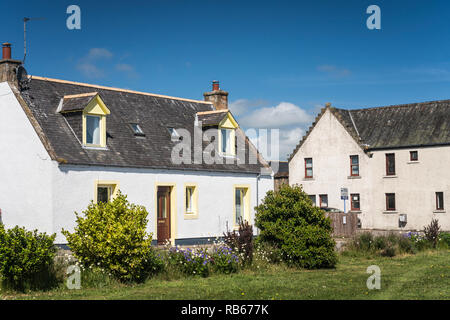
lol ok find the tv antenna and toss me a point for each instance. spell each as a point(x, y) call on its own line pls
point(25, 20)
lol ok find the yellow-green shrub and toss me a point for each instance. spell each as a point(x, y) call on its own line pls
point(113, 236)
point(26, 259)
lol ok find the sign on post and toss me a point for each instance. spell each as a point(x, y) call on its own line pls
point(344, 196)
point(344, 193)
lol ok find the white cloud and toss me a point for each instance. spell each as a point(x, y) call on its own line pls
point(334, 70)
point(289, 119)
point(282, 115)
point(241, 106)
point(127, 69)
point(99, 53)
point(288, 138)
point(90, 70)
point(99, 60)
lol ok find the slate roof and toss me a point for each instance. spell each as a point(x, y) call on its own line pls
point(399, 126)
point(76, 103)
point(283, 169)
point(212, 118)
point(154, 114)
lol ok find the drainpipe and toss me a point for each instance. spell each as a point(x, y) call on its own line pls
point(257, 196)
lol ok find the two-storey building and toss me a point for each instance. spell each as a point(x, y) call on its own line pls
point(394, 161)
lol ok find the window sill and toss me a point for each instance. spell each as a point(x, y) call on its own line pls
point(190, 216)
point(355, 211)
point(389, 211)
point(95, 148)
point(390, 177)
point(354, 177)
point(439, 211)
point(308, 179)
point(411, 162)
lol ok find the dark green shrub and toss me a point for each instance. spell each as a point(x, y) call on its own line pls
point(432, 232)
point(444, 238)
point(288, 221)
point(380, 243)
point(364, 241)
point(388, 251)
point(27, 259)
point(241, 242)
point(406, 245)
point(112, 236)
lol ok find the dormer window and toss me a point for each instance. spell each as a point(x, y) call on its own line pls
point(94, 123)
point(226, 125)
point(227, 135)
point(88, 112)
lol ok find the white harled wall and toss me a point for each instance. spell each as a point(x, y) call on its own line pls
point(25, 169)
point(75, 185)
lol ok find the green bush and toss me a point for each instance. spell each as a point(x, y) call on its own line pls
point(406, 245)
point(386, 245)
point(112, 236)
point(289, 221)
point(444, 239)
point(27, 259)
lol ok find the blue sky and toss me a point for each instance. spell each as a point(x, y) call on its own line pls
point(280, 61)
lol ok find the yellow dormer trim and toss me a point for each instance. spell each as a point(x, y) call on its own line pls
point(229, 122)
point(96, 108)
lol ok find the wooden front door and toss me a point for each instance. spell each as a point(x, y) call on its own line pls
point(163, 198)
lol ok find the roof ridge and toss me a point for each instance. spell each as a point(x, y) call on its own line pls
point(403, 105)
point(212, 111)
point(116, 89)
point(81, 95)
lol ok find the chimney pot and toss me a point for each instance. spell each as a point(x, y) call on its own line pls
point(215, 85)
point(6, 50)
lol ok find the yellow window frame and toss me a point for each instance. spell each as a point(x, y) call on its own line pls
point(193, 214)
point(245, 203)
point(112, 185)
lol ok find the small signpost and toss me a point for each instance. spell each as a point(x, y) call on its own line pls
point(344, 196)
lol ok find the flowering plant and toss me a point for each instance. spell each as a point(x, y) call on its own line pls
point(191, 262)
point(224, 260)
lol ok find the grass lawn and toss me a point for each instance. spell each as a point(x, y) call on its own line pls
point(425, 275)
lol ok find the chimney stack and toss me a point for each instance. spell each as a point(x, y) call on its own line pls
point(8, 66)
point(218, 97)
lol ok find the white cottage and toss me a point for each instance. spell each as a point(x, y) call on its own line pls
point(64, 144)
point(394, 161)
